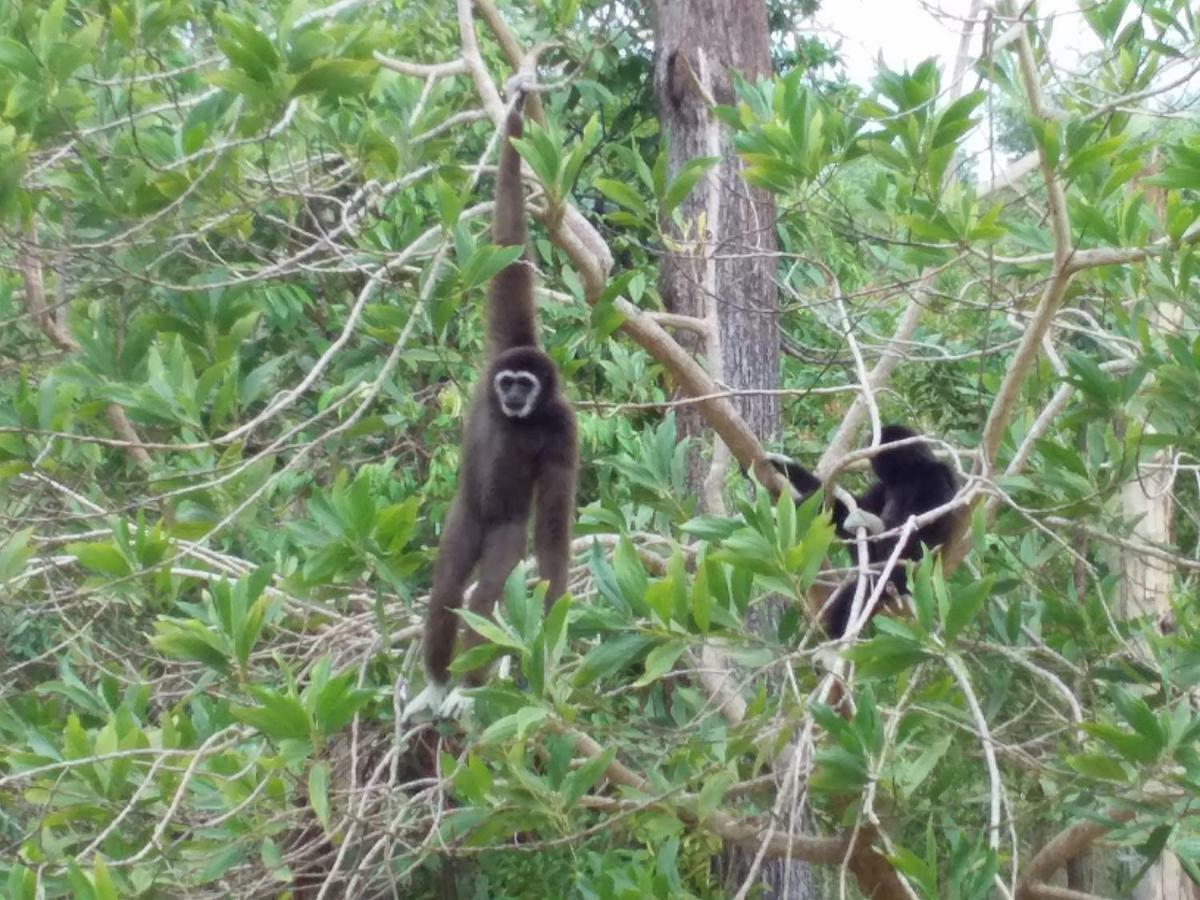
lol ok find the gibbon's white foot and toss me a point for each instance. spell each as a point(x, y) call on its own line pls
point(457, 706)
point(826, 658)
point(441, 702)
point(431, 698)
point(860, 518)
point(504, 669)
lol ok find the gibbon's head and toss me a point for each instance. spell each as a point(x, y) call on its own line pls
point(892, 465)
point(522, 379)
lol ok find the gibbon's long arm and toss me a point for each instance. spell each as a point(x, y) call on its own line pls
point(511, 314)
point(805, 484)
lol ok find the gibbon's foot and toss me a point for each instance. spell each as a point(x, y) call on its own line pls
point(440, 701)
point(826, 658)
point(457, 706)
point(431, 698)
point(860, 518)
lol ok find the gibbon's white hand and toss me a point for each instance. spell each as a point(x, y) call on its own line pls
point(860, 518)
point(517, 83)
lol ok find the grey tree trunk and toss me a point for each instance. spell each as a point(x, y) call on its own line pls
point(718, 274)
point(720, 267)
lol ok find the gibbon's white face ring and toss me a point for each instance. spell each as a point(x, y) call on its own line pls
point(505, 380)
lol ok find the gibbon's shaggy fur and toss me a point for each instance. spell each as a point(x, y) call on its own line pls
point(520, 452)
point(911, 481)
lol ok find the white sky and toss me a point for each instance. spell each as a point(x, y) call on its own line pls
point(908, 31)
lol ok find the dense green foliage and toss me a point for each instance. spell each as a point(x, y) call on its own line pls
point(240, 310)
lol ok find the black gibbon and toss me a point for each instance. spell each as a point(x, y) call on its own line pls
point(911, 481)
point(520, 455)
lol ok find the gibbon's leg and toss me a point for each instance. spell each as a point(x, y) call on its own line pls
point(503, 548)
point(552, 529)
point(458, 552)
point(805, 484)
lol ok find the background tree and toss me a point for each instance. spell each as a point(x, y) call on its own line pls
point(243, 252)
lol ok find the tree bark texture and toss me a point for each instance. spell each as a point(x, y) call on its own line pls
point(719, 265)
point(1145, 588)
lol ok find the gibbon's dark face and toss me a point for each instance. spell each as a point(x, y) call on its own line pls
point(522, 378)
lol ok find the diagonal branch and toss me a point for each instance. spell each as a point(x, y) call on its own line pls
point(35, 300)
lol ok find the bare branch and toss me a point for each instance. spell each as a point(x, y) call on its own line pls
point(35, 300)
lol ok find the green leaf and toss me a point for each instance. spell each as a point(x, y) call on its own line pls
point(472, 779)
point(622, 194)
point(1134, 748)
point(922, 593)
point(659, 661)
point(338, 78)
point(22, 883)
point(500, 731)
point(492, 632)
point(956, 119)
point(23, 97)
point(318, 792)
point(475, 658)
point(631, 575)
point(885, 655)
point(80, 884)
point(50, 28)
point(101, 557)
point(17, 58)
point(14, 553)
point(1101, 766)
point(486, 261)
point(237, 82)
point(579, 153)
point(554, 629)
point(711, 528)
point(712, 794)
point(190, 640)
point(278, 716)
point(965, 603)
point(915, 773)
point(692, 171)
point(580, 781)
point(543, 154)
point(249, 49)
point(1139, 715)
point(251, 627)
point(102, 881)
point(701, 596)
point(609, 656)
point(528, 717)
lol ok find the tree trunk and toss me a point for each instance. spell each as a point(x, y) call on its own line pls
point(719, 267)
point(1145, 588)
